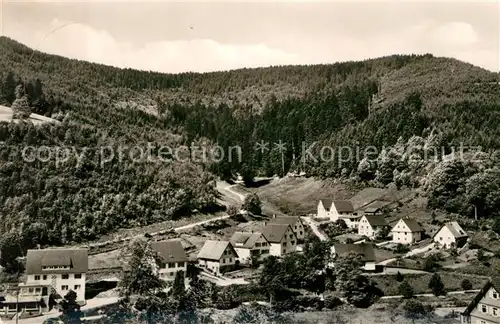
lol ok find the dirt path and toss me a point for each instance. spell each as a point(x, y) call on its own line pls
point(314, 228)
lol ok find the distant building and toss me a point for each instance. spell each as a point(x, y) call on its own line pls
point(173, 258)
point(217, 256)
point(338, 210)
point(451, 235)
point(250, 245)
point(485, 307)
point(281, 238)
point(365, 250)
point(374, 208)
point(371, 225)
point(61, 269)
point(295, 223)
point(406, 231)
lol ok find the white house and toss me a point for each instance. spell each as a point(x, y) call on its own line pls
point(485, 307)
point(60, 269)
point(406, 231)
point(338, 210)
point(217, 256)
point(281, 238)
point(173, 258)
point(250, 245)
point(365, 250)
point(451, 235)
point(371, 225)
point(295, 223)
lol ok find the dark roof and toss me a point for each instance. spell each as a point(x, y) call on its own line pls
point(170, 251)
point(213, 250)
point(375, 220)
point(364, 249)
point(492, 282)
point(456, 229)
point(412, 224)
point(274, 233)
point(343, 206)
point(246, 239)
point(289, 220)
point(76, 259)
point(327, 203)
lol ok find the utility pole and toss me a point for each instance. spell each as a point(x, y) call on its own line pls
point(17, 304)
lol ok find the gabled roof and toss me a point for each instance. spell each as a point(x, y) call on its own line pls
point(170, 251)
point(327, 203)
point(288, 220)
point(364, 249)
point(412, 225)
point(374, 220)
point(274, 233)
point(213, 250)
point(245, 239)
point(76, 259)
point(455, 229)
point(492, 282)
point(343, 206)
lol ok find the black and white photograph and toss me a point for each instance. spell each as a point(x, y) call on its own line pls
point(260, 162)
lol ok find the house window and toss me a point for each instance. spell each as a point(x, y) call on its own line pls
point(301, 233)
point(495, 296)
point(77, 287)
point(293, 242)
point(171, 265)
point(78, 276)
point(30, 290)
point(65, 276)
point(484, 308)
point(37, 277)
point(495, 310)
point(284, 243)
point(291, 236)
point(64, 287)
point(180, 264)
point(230, 260)
point(38, 290)
point(44, 277)
point(223, 260)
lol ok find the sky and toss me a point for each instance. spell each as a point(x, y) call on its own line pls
point(209, 36)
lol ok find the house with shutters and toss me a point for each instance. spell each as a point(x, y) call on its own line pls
point(217, 257)
point(295, 223)
point(338, 210)
point(371, 225)
point(407, 231)
point(364, 250)
point(60, 269)
point(173, 258)
point(281, 238)
point(451, 235)
point(250, 246)
point(485, 307)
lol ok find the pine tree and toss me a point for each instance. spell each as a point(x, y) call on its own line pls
point(178, 287)
point(405, 289)
point(20, 106)
point(8, 89)
point(436, 285)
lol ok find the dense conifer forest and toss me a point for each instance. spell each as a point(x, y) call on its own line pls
point(388, 103)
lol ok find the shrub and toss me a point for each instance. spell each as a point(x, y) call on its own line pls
point(332, 302)
point(399, 277)
point(401, 248)
point(436, 285)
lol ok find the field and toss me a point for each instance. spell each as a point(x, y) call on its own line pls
point(419, 282)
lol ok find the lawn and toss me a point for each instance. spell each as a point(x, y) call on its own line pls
point(419, 282)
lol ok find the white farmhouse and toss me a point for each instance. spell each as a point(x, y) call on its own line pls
point(371, 225)
point(250, 246)
point(281, 238)
point(365, 250)
point(61, 269)
point(173, 258)
point(217, 256)
point(485, 307)
point(406, 231)
point(338, 210)
point(451, 235)
point(295, 223)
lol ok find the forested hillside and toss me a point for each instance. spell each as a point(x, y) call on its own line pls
point(392, 101)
